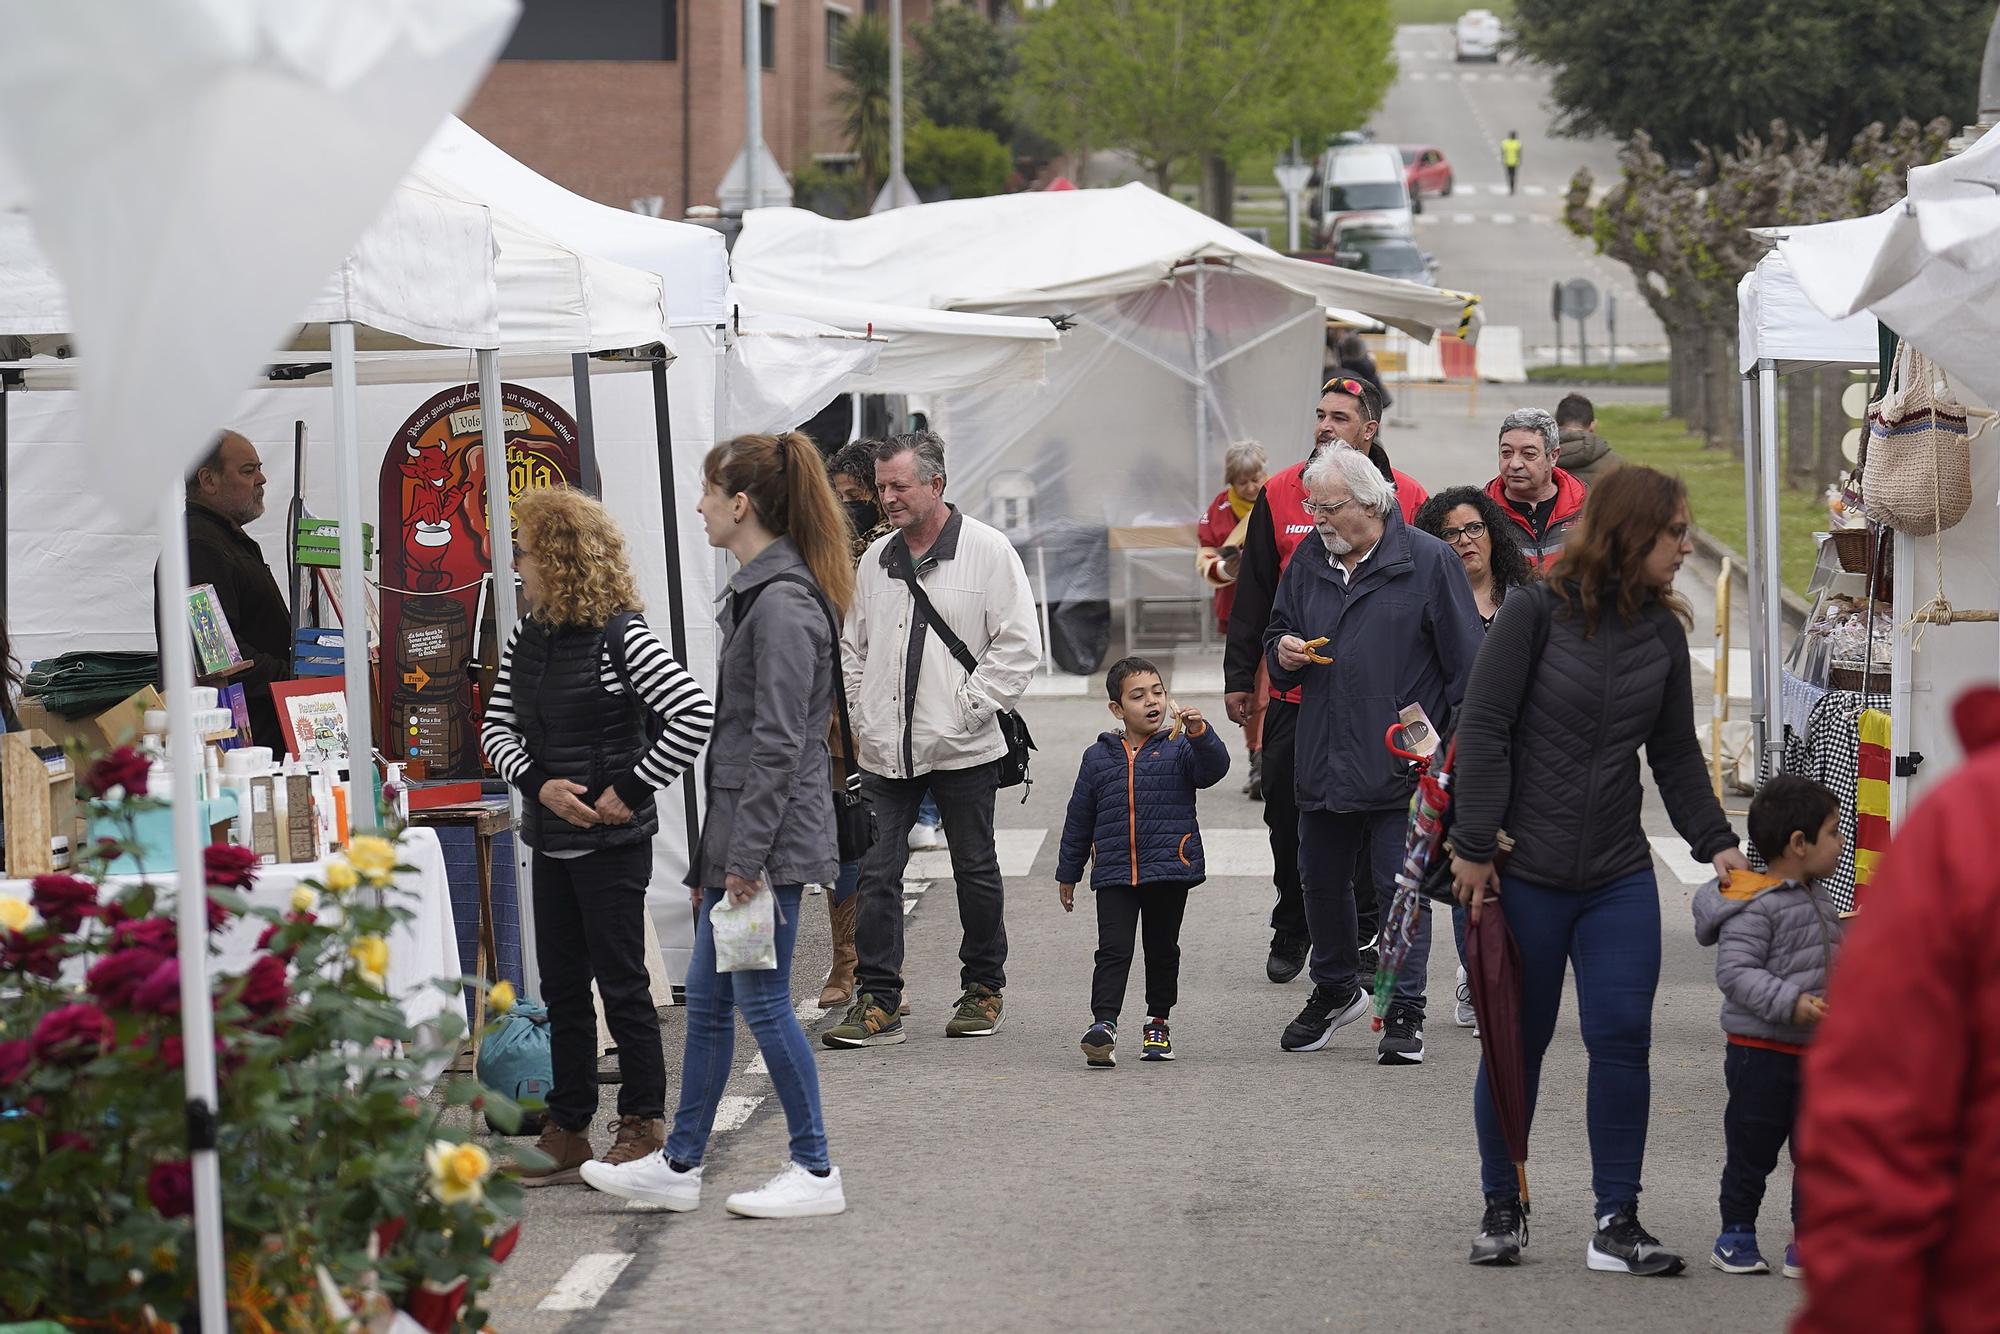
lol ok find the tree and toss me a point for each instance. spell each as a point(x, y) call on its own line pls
point(1694, 74)
point(963, 71)
point(863, 100)
point(1182, 81)
point(963, 161)
point(1685, 234)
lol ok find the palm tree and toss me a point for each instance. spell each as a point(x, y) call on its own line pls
point(864, 100)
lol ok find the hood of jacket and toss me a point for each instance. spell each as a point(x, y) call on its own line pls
point(1714, 905)
point(1579, 447)
point(1571, 492)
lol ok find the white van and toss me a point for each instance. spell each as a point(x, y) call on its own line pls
point(1362, 183)
point(1478, 36)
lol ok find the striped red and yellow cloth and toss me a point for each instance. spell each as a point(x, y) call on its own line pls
point(1871, 799)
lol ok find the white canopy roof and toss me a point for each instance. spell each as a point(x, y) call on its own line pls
point(1776, 320)
point(921, 351)
point(1069, 245)
point(1928, 267)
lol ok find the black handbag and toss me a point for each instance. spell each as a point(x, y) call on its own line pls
point(1013, 728)
point(853, 817)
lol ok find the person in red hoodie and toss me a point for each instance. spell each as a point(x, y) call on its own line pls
point(1350, 414)
point(1244, 469)
point(1899, 1136)
point(1536, 494)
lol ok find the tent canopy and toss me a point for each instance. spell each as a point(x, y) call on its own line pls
point(1047, 249)
point(1776, 320)
point(922, 351)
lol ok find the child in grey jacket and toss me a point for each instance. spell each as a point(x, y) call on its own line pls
point(1776, 936)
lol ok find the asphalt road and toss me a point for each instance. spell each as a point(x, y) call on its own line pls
point(1509, 249)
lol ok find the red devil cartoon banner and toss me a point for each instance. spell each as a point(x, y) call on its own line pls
point(437, 551)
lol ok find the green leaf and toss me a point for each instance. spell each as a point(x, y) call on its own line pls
point(503, 1112)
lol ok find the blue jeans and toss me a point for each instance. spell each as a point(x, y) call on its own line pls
point(848, 884)
point(1611, 935)
point(927, 813)
point(765, 998)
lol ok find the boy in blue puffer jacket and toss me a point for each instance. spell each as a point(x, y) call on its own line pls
point(1132, 816)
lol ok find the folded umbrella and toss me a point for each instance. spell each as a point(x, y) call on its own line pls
point(1430, 808)
point(1493, 970)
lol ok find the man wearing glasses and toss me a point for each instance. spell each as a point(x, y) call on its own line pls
point(1350, 414)
point(1542, 499)
point(1372, 616)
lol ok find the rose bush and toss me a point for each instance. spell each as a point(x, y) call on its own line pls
point(325, 1143)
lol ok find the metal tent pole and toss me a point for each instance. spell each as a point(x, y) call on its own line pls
point(1753, 545)
point(670, 525)
point(191, 909)
point(506, 614)
point(361, 791)
point(3, 497)
point(586, 424)
point(753, 102)
point(1774, 620)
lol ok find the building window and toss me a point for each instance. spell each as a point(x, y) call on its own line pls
point(767, 35)
point(836, 36)
point(870, 8)
point(670, 14)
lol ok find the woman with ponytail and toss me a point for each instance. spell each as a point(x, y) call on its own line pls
point(770, 824)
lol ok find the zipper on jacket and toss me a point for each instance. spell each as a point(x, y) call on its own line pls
point(1132, 804)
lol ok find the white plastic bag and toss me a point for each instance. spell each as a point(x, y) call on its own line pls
point(746, 937)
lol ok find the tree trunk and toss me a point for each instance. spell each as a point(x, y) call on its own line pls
point(1801, 441)
point(1677, 376)
point(1834, 424)
point(1725, 391)
point(1698, 358)
point(1218, 189)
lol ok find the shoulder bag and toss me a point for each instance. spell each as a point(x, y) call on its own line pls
point(1013, 728)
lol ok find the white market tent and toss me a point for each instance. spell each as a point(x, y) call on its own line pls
point(1184, 335)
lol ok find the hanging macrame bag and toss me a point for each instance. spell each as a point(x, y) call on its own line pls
point(1918, 474)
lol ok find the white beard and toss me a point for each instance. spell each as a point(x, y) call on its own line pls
point(1335, 543)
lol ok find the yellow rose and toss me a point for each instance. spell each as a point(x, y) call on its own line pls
point(302, 899)
point(458, 1171)
point(339, 876)
point(501, 998)
point(371, 957)
point(373, 857)
point(18, 914)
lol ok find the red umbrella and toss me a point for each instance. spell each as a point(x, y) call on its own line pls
point(1493, 969)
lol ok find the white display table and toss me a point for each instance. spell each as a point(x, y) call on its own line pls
point(420, 950)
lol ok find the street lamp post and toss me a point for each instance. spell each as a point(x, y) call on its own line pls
point(753, 101)
point(1292, 176)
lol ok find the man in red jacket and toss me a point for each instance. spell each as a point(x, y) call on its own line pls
point(1538, 496)
point(1899, 1136)
point(1349, 413)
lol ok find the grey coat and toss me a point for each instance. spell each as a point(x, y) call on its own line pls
point(770, 801)
point(1777, 941)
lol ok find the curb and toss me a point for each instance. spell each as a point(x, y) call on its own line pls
point(1797, 609)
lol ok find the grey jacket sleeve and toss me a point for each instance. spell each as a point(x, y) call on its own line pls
point(1742, 950)
point(1674, 752)
point(789, 642)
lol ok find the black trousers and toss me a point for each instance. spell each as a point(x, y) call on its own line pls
point(1281, 814)
point(590, 924)
point(1512, 172)
point(1124, 911)
point(1763, 1105)
point(1351, 857)
point(965, 799)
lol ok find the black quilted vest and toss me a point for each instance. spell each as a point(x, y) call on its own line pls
point(576, 730)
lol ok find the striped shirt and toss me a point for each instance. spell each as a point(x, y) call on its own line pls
point(663, 683)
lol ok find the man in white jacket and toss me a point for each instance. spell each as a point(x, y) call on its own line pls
point(923, 723)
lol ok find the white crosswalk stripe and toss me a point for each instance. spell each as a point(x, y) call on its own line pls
point(1016, 849)
point(1496, 189)
point(1502, 219)
point(1534, 190)
point(1673, 852)
point(1463, 218)
point(586, 1282)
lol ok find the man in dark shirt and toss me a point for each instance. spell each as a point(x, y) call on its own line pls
point(225, 492)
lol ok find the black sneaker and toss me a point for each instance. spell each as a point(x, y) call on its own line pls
point(1100, 1046)
point(1621, 1246)
point(1254, 788)
point(1156, 1044)
point(1502, 1234)
point(1288, 956)
point(1366, 959)
point(1326, 1011)
point(1402, 1038)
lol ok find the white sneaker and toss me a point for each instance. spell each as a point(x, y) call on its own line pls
point(651, 1179)
point(793, 1193)
point(925, 837)
point(1465, 1017)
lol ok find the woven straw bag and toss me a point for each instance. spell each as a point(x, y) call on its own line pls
point(1918, 474)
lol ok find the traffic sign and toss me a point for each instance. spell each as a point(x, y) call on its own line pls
point(1579, 298)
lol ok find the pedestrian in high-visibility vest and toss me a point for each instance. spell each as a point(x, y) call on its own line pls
point(1510, 157)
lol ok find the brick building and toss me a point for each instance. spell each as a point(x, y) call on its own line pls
point(629, 100)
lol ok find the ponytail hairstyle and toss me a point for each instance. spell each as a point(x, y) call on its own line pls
point(785, 481)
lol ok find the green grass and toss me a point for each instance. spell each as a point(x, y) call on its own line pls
point(1445, 11)
point(1714, 479)
point(1626, 372)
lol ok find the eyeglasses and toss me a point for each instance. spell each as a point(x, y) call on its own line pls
point(1321, 513)
point(1475, 531)
point(1677, 531)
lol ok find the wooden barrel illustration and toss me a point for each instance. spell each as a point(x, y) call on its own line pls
point(429, 711)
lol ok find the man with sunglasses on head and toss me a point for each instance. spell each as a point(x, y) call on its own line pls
point(1349, 414)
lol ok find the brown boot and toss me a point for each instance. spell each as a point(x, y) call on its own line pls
point(840, 982)
point(568, 1151)
point(633, 1137)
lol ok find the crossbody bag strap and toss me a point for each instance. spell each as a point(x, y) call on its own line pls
point(906, 570)
point(748, 599)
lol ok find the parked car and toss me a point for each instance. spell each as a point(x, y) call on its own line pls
point(1425, 171)
point(1385, 254)
point(1478, 36)
point(1362, 183)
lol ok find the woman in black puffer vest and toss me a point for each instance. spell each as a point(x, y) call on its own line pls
point(1576, 676)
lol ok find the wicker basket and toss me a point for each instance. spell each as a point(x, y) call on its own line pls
point(1853, 545)
point(1851, 679)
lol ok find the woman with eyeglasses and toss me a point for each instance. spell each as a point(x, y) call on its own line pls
point(1577, 675)
point(1468, 521)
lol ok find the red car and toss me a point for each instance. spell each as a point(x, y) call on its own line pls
point(1425, 170)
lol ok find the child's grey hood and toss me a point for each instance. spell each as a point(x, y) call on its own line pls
point(1714, 905)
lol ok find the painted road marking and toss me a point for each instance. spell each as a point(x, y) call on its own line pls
point(586, 1282)
point(1016, 849)
point(733, 1111)
point(1673, 851)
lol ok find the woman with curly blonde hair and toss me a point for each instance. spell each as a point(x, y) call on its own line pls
point(568, 725)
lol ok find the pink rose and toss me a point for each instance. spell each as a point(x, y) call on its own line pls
point(124, 768)
point(116, 978)
point(70, 1141)
point(15, 1058)
point(157, 934)
point(230, 867)
point(73, 1034)
point(161, 992)
point(264, 988)
point(170, 1186)
point(64, 901)
point(30, 954)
